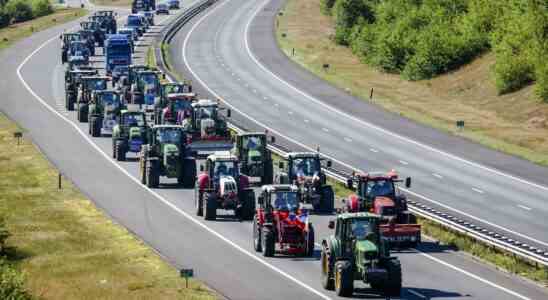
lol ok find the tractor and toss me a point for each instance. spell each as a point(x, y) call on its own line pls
point(87, 86)
point(280, 224)
point(130, 132)
point(72, 81)
point(221, 186)
point(127, 81)
point(178, 107)
point(68, 38)
point(357, 251)
point(87, 36)
point(103, 111)
point(166, 154)
point(108, 20)
point(304, 169)
point(255, 159)
point(77, 54)
point(167, 88)
point(379, 193)
point(145, 89)
point(97, 32)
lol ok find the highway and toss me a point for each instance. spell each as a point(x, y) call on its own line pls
point(220, 252)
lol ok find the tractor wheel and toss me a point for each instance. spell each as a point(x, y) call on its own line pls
point(268, 242)
point(199, 201)
point(69, 101)
point(327, 202)
point(153, 178)
point(248, 205)
point(344, 279)
point(95, 126)
point(82, 113)
point(188, 176)
point(210, 203)
point(327, 270)
point(113, 149)
point(257, 232)
point(268, 176)
point(392, 287)
point(310, 241)
point(120, 151)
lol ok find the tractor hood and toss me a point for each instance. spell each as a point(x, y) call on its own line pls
point(170, 150)
point(365, 246)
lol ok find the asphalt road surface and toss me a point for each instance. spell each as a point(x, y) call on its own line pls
point(220, 252)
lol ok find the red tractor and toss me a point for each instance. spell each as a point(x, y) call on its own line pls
point(221, 186)
point(379, 194)
point(280, 224)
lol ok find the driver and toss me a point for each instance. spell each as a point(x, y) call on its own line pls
point(221, 170)
point(359, 231)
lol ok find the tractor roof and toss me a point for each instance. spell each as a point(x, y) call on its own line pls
point(392, 175)
point(280, 188)
point(180, 95)
point(302, 154)
point(205, 102)
point(222, 156)
point(95, 77)
point(358, 215)
point(252, 133)
point(167, 127)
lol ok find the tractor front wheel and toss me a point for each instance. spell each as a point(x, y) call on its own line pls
point(310, 241)
point(327, 270)
point(392, 286)
point(120, 150)
point(95, 126)
point(257, 232)
point(327, 201)
point(82, 113)
point(248, 206)
point(199, 203)
point(268, 242)
point(268, 176)
point(344, 279)
point(188, 176)
point(210, 203)
point(153, 177)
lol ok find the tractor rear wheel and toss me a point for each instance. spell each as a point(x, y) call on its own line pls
point(344, 279)
point(82, 113)
point(199, 203)
point(120, 150)
point(248, 206)
point(268, 176)
point(210, 203)
point(95, 126)
point(268, 242)
point(327, 269)
point(153, 177)
point(392, 287)
point(310, 241)
point(69, 100)
point(257, 232)
point(327, 201)
point(188, 176)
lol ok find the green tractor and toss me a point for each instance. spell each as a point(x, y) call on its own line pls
point(104, 108)
point(167, 89)
point(255, 159)
point(145, 88)
point(87, 85)
point(357, 252)
point(67, 39)
point(72, 81)
point(129, 134)
point(166, 154)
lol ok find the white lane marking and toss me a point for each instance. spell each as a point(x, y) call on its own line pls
point(474, 276)
point(477, 190)
point(367, 124)
point(392, 134)
point(325, 129)
point(524, 207)
point(403, 162)
point(373, 150)
point(437, 175)
point(158, 196)
point(348, 139)
point(416, 293)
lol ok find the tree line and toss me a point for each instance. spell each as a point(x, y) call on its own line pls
point(15, 11)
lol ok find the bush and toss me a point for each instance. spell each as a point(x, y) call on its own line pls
point(41, 8)
point(326, 6)
point(20, 10)
point(12, 284)
point(542, 82)
point(5, 17)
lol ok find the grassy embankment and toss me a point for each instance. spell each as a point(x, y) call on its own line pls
point(513, 122)
point(112, 2)
point(65, 247)
point(18, 31)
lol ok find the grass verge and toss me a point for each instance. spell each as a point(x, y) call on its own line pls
point(150, 60)
point(515, 123)
point(18, 31)
point(112, 2)
point(68, 249)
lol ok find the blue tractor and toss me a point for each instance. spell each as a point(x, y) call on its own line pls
point(117, 52)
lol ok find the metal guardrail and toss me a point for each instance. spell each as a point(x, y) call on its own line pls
point(492, 238)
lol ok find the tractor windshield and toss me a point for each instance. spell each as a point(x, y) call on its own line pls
point(306, 167)
point(133, 119)
point(376, 188)
point(97, 84)
point(285, 201)
point(176, 89)
point(359, 228)
point(169, 136)
point(252, 143)
point(207, 112)
point(181, 104)
point(225, 168)
point(111, 99)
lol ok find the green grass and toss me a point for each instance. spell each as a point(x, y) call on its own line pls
point(112, 2)
point(151, 58)
point(164, 47)
point(16, 32)
point(67, 248)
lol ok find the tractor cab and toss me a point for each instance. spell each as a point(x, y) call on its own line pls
point(174, 88)
point(88, 37)
point(78, 54)
point(205, 122)
point(129, 134)
point(67, 39)
point(147, 87)
point(178, 107)
point(255, 158)
point(96, 30)
point(219, 165)
point(106, 105)
point(87, 86)
point(73, 79)
point(107, 19)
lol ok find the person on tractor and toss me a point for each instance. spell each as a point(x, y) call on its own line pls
point(168, 136)
point(379, 188)
point(286, 201)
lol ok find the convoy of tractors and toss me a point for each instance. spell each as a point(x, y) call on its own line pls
point(173, 133)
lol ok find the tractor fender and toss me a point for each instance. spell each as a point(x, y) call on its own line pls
point(203, 181)
point(353, 203)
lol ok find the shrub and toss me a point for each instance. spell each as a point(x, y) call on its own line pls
point(542, 82)
point(20, 10)
point(41, 8)
point(12, 283)
point(5, 17)
point(326, 6)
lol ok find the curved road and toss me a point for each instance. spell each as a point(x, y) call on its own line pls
point(221, 252)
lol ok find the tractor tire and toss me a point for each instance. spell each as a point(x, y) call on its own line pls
point(268, 176)
point(210, 205)
point(82, 113)
point(142, 170)
point(152, 174)
point(328, 265)
point(392, 287)
point(344, 279)
point(310, 243)
point(120, 150)
point(95, 124)
point(327, 202)
point(113, 148)
point(69, 101)
point(188, 176)
point(199, 203)
point(268, 242)
point(248, 206)
point(257, 233)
